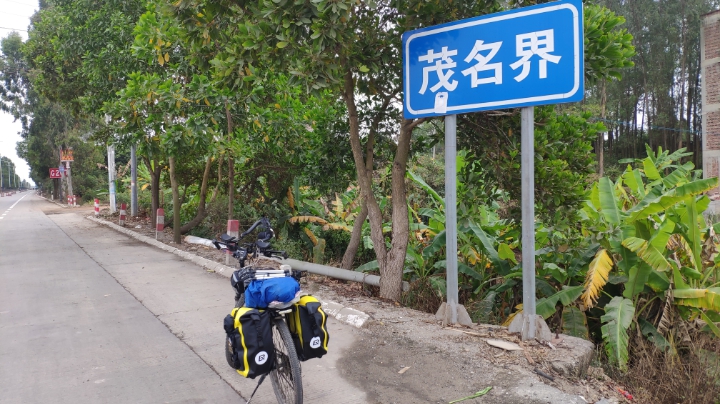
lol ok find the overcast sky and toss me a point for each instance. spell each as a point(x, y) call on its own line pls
point(14, 15)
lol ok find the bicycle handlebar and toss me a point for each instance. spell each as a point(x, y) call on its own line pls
point(262, 221)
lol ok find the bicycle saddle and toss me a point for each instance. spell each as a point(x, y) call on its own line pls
point(226, 238)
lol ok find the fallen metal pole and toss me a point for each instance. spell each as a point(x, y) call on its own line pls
point(337, 273)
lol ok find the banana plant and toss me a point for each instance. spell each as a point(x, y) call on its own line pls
point(314, 214)
point(651, 232)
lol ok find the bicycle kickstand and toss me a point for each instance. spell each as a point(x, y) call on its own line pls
point(256, 387)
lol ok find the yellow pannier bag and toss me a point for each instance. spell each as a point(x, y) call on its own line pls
point(308, 327)
point(249, 345)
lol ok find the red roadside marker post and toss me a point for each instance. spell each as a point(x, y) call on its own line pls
point(160, 221)
point(97, 207)
point(233, 229)
point(123, 214)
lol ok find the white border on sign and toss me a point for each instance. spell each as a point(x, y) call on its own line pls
point(576, 29)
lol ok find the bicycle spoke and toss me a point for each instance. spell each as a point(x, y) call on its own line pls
point(286, 377)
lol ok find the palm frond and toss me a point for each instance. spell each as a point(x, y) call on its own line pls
point(339, 208)
point(291, 198)
point(336, 226)
point(596, 277)
point(308, 219)
point(311, 236)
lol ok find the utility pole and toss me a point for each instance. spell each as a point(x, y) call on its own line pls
point(111, 176)
point(67, 158)
point(111, 171)
point(133, 182)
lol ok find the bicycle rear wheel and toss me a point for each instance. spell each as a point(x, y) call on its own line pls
point(287, 377)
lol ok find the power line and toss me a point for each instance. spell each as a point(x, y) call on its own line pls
point(23, 4)
point(14, 29)
point(17, 15)
point(628, 123)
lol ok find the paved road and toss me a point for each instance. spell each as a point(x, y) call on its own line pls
point(91, 318)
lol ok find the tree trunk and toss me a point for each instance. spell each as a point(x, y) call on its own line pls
point(600, 149)
point(231, 166)
point(176, 202)
point(355, 238)
point(219, 180)
point(201, 213)
point(391, 282)
point(154, 188)
point(366, 191)
point(391, 262)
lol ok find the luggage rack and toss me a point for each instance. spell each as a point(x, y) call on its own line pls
point(267, 273)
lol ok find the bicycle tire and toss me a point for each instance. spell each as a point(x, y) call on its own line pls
point(286, 378)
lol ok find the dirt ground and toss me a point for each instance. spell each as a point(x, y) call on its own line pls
point(457, 359)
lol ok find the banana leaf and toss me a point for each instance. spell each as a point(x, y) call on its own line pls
point(708, 299)
point(633, 180)
point(677, 176)
point(696, 187)
point(421, 182)
point(652, 334)
point(546, 307)
point(616, 320)
point(500, 264)
point(651, 171)
point(574, 322)
point(608, 202)
point(639, 275)
point(647, 253)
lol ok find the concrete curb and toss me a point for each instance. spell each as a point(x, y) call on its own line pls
point(56, 203)
point(346, 315)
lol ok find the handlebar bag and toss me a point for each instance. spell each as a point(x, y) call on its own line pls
point(308, 327)
point(260, 293)
point(250, 334)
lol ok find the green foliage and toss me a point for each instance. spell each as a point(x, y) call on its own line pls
point(651, 221)
point(574, 322)
point(616, 320)
point(610, 50)
point(563, 163)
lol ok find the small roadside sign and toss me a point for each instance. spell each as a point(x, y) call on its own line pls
point(518, 58)
point(55, 173)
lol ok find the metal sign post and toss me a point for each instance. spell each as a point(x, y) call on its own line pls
point(518, 58)
point(527, 181)
point(451, 216)
point(111, 177)
point(111, 171)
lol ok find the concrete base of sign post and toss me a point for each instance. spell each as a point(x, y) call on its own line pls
point(444, 314)
point(521, 325)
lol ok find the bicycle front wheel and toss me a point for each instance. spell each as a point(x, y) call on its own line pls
point(287, 377)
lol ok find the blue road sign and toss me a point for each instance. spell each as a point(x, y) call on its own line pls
point(523, 57)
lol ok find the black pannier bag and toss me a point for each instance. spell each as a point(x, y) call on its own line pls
point(308, 327)
point(249, 345)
